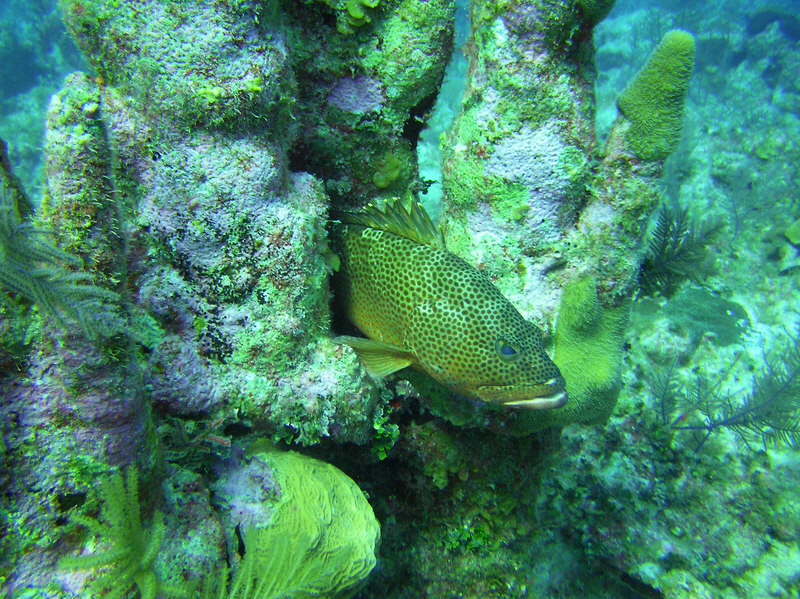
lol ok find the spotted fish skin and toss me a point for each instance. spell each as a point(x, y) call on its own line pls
point(423, 306)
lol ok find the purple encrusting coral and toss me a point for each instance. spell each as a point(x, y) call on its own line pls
point(532, 159)
point(357, 94)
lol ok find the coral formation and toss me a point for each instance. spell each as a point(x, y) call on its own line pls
point(588, 349)
point(329, 526)
point(366, 100)
point(307, 526)
point(653, 101)
point(190, 178)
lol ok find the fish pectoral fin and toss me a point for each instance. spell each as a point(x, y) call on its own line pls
point(379, 358)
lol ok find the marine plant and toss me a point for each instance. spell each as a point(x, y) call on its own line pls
point(134, 547)
point(320, 541)
point(679, 249)
point(770, 412)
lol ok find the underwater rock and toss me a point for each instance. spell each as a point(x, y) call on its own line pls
point(516, 161)
point(226, 249)
point(367, 99)
point(216, 252)
point(524, 194)
point(788, 23)
point(654, 515)
point(194, 543)
point(244, 292)
point(190, 64)
point(80, 409)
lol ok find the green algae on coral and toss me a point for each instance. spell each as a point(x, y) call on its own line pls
point(387, 170)
point(351, 14)
point(653, 101)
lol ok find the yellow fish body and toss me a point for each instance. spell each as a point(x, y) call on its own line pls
point(422, 306)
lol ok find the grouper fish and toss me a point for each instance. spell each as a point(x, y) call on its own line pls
point(422, 306)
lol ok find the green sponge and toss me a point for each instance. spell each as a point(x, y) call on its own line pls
point(588, 352)
point(653, 101)
point(321, 540)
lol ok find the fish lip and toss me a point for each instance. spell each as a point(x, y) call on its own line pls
point(547, 402)
point(543, 396)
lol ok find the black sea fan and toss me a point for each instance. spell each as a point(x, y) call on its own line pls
point(678, 250)
point(771, 410)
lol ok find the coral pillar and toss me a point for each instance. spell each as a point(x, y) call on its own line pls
point(529, 197)
point(518, 157)
point(81, 410)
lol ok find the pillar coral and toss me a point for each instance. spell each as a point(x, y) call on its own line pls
point(226, 246)
point(529, 197)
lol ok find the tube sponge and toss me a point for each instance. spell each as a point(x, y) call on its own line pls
point(588, 351)
point(653, 101)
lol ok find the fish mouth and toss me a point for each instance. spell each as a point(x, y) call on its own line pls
point(548, 402)
point(545, 396)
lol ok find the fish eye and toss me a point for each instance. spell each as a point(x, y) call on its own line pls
point(506, 350)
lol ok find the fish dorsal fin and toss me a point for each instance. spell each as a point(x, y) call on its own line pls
point(412, 223)
point(379, 358)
